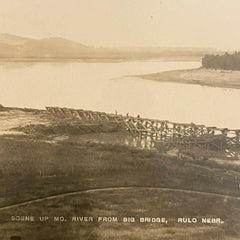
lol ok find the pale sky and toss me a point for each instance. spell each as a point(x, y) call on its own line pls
point(189, 23)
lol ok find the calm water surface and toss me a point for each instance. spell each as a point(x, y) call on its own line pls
point(99, 86)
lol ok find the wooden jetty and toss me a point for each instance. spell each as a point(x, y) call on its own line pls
point(163, 133)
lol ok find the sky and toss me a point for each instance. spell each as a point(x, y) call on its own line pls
point(173, 23)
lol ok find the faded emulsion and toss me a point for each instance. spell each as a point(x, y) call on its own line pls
point(119, 120)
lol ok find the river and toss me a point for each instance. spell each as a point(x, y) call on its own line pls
point(100, 86)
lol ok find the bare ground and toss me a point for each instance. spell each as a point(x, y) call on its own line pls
point(201, 76)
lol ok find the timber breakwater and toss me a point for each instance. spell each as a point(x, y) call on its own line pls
point(163, 134)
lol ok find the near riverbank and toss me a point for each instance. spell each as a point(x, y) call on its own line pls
point(200, 76)
point(53, 166)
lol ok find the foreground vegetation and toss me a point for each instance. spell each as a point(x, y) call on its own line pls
point(136, 203)
point(33, 169)
point(51, 159)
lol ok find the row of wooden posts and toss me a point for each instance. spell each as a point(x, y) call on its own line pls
point(163, 133)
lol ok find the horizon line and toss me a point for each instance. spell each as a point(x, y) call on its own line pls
point(118, 46)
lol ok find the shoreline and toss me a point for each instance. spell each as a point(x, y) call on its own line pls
point(98, 59)
point(199, 76)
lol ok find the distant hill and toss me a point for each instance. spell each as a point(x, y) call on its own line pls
point(15, 46)
point(12, 40)
point(12, 46)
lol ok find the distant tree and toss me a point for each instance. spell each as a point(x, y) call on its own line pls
point(226, 61)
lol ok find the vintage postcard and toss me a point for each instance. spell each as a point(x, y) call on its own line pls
point(119, 120)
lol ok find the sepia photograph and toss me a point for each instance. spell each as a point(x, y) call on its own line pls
point(118, 120)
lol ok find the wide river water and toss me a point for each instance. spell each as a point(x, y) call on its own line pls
point(99, 86)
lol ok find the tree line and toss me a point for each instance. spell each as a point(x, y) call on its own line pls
point(226, 61)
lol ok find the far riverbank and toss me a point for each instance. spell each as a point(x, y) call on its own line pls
point(199, 76)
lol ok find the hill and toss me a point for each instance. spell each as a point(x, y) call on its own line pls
point(12, 46)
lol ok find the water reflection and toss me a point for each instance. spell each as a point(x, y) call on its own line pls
point(144, 142)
